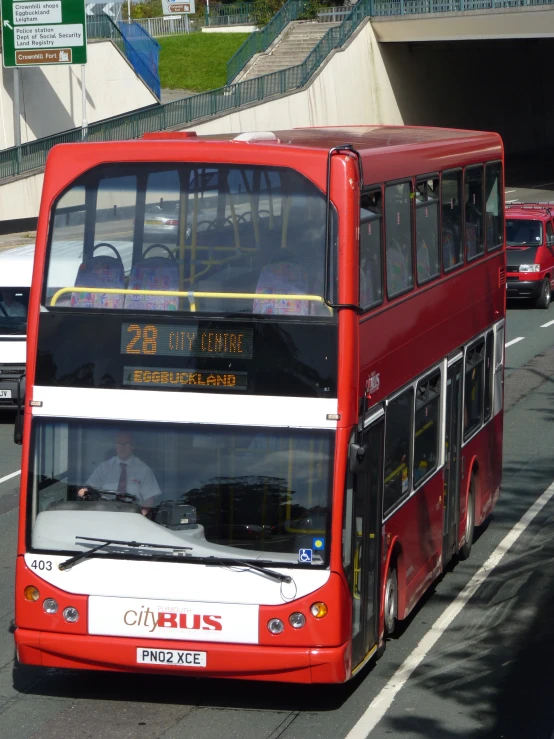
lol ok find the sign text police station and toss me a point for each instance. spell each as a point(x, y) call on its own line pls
point(37, 32)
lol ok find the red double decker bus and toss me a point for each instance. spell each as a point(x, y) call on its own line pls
point(264, 396)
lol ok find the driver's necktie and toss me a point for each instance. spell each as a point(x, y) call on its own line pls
point(122, 485)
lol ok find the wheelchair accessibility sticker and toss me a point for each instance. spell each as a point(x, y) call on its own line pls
point(304, 555)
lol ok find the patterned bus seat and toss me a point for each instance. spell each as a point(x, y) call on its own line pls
point(286, 278)
point(100, 271)
point(154, 273)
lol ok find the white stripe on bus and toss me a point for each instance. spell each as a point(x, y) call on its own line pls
point(159, 406)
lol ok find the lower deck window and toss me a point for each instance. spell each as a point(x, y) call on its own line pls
point(473, 389)
point(398, 449)
point(427, 419)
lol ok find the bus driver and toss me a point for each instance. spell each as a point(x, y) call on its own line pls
point(125, 473)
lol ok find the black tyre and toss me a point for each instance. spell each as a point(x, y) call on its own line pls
point(465, 550)
point(543, 301)
point(391, 601)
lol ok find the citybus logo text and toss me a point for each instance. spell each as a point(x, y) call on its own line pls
point(166, 620)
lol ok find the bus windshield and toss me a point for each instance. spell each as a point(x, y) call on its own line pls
point(225, 491)
point(190, 237)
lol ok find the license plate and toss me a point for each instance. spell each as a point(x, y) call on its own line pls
point(5, 393)
point(172, 657)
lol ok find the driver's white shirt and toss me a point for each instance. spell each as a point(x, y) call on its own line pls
point(141, 481)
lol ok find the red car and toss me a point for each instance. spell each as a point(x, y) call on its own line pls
point(530, 252)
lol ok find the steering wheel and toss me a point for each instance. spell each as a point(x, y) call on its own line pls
point(95, 494)
point(159, 246)
point(110, 246)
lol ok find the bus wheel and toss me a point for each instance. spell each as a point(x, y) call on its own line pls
point(470, 522)
point(391, 601)
point(543, 301)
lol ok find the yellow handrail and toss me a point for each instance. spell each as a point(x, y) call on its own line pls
point(191, 295)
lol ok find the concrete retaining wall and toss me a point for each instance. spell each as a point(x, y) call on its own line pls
point(352, 88)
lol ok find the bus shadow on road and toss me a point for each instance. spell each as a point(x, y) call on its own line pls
point(490, 675)
point(185, 691)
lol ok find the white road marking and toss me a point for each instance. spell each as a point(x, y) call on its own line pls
point(514, 341)
point(382, 702)
point(9, 477)
point(546, 325)
point(508, 191)
point(512, 201)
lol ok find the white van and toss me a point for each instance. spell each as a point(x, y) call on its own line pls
point(16, 270)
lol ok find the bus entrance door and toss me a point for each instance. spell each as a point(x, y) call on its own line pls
point(366, 542)
point(453, 438)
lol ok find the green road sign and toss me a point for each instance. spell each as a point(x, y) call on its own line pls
point(40, 32)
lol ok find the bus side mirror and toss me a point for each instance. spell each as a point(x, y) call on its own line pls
point(18, 426)
point(358, 458)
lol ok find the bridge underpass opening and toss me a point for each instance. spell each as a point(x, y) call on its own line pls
point(492, 85)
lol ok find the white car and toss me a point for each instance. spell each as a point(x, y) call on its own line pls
point(16, 269)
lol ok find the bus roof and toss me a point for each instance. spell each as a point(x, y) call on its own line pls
point(364, 138)
point(387, 152)
point(16, 266)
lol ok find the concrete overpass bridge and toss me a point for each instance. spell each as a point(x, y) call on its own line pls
point(402, 21)
point(480, 64)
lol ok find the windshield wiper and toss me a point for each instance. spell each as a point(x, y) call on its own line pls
point(69, 563)
point(231, 562)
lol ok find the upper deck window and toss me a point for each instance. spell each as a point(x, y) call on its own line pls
point(494, 206)
point(398, 218)
point(371, 269)
point(451, 198)
point(190, 237)
point(473, 199)
point(427, 229)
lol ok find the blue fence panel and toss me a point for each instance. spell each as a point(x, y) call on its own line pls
point(143, 53)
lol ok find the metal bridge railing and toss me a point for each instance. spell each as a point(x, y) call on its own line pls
point(143, 53)
point(260, 40)
point(333, 15)
point(219, 15)
point(166, 25)
point(417, 7)
point(134, 42)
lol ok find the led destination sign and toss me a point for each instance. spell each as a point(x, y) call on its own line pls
point(175, 378)
point(161, 340)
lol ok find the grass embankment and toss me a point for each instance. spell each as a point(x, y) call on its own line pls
point(197, 61)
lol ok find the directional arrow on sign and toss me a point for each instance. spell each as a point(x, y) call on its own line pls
point(108, 9)
point(7, 23)
point(89, 9)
